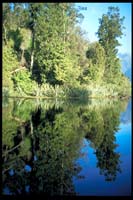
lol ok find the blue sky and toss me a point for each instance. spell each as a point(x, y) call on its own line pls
point(94, 11)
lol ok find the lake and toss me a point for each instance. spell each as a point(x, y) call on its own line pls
point(58, 147)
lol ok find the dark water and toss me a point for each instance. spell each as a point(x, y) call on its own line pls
point(66, 148)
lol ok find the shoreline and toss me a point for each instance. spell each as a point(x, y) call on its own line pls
point(67, 98)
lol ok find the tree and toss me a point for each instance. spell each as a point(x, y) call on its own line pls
point(6, 22)
point(47, 39)
point(10, 63)
point(110, 29)
point(53, 51)
point(33, 14)
point(96, 63)
point(25, 44)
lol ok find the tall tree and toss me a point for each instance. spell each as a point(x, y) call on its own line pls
point(25, 44)
point(33, 12)
point(110, 30)
point(53, 49)
point(6, 25)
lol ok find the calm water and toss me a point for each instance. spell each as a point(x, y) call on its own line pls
point(66, 148)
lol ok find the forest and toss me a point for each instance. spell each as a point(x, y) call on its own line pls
point(46, 53)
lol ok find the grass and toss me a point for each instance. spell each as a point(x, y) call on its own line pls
point(83, 92)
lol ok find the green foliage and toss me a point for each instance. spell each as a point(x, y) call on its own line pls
point(124, 89)
point(15, 37)
point(26, 42)
point(26, 35)
point(10, 63)
point(79, 92)
point(47, 40)
point(9, 126)
point(9, 58)
point(24, 84)
point(66, 72)
point(110, 29)
point(93, 71)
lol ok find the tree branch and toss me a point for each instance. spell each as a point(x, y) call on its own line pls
point(16, 70)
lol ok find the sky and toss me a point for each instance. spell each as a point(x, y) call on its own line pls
point(93, 11)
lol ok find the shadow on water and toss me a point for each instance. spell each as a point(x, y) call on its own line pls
point(41, 142)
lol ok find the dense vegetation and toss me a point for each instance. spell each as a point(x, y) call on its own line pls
point(45, 53)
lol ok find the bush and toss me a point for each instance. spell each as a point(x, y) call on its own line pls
point(78, 92)
point(24, 84)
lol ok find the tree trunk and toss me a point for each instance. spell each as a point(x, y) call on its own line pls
point(22, 58)
point(5, 35)
point(31, 127)
point(32, 51)
point(64, 29)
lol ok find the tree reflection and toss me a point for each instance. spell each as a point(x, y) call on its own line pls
point(57, 141)
point(41, 142)
point(104, 125)
point(45, 148)
point(108, 159)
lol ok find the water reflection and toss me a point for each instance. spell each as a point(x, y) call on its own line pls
point(102, 136)
point(42, 140)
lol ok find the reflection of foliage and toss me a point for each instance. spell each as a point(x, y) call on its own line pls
point(94, 127)
point(17, 181)
point(9, 126)
point(108, 159)
point(25, 147)
point(43, 143)
point(23, 109)
point(58, 144)
point(49, 143)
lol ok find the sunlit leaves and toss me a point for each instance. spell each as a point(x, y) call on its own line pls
point(24, 84)
point(110, 29)
point(26, 38)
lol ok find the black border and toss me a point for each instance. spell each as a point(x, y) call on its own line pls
point(42, 196)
